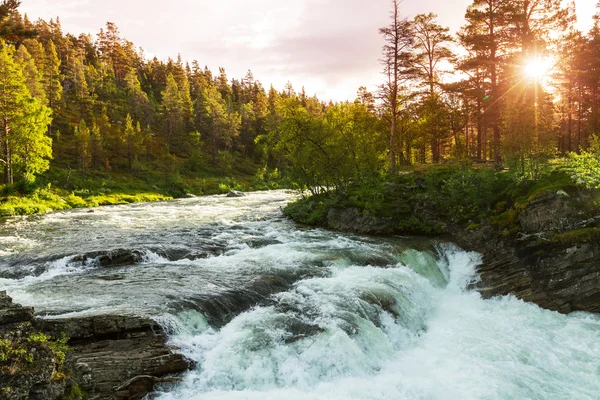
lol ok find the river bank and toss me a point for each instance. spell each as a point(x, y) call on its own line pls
point(60, 189)
point(540, 240)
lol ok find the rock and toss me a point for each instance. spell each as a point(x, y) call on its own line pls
point(536, 267)
point(558, 279)
point(106, 351)
point(106, 354)
point(189, 196)
point(235, 193)
point(551, 213)
point(11, 313)
point(31, 371)
point(141, 385)
point(111, 258)
point(353, 220)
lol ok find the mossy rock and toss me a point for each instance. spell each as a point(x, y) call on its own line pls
point(578, 237)
point(506, 220)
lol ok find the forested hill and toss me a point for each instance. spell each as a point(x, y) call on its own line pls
point(84, 109)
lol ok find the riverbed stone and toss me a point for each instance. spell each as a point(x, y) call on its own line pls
point(107, 351)
point(235, 193)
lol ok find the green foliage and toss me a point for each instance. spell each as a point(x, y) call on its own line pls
point(26, 149)
point(19, 355)
point(311, 210)
point(584, 168)
point(505, 220)
point(578, 237)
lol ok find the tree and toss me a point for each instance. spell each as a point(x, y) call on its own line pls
point(12, 28)
point(33, 77)
point(487, 37)
point(215, 122)
point(133, 139)
point(82, 139)
point(173, 109)
point(23, 122)
point(139, 103)
point(396, 68)
point(430, 51)
point(51, 76)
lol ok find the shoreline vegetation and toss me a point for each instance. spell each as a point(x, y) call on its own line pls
point(63, 190)
point(438, 200)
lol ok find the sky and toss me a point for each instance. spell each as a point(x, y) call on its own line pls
point(331, 47)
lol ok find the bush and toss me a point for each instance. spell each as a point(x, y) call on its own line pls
point(584, 168)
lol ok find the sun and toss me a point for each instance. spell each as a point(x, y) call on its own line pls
point(537, 68)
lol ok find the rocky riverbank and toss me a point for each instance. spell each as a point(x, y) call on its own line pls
point(96, 357)
point(545, 250)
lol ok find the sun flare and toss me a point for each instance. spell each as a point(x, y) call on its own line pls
point(537, 68)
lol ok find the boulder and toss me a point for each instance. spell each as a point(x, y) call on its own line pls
point(11, 313)
point(109, 356)
point(553, 212)
point(29, 370)
point(235, 193)
point(107, 351)
point(353, 220)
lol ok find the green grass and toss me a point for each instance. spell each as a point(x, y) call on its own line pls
point(63, 189)
point(46, 200)
point(428, 199)
point(578, 237)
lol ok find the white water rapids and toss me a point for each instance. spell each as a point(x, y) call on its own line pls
point(271, 310)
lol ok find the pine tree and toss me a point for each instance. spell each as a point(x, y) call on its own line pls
point(431, 49)
point(51, 76)
point(396, 68)
point(487, 38)
point(23, 122)
point(82, 140)
point(33, 77)
point(172, 109)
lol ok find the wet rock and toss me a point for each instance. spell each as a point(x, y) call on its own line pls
point(11, 313)
point(111, 258)
point(235, 193)
point(353, 220)
point(106, 351)
point(219, 309)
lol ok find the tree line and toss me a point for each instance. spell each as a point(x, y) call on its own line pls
point(96, 103)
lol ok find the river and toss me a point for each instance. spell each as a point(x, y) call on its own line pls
point(268, 309)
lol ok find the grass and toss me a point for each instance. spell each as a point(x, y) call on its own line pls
point(430, 199)
point(46, 200)
point(578, 237)
point(63, 189)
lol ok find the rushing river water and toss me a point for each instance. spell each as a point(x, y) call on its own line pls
point(271, 310)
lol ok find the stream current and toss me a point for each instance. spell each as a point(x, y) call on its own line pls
point(268, 309)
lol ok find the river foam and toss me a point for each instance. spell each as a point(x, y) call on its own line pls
point(431, 343)
point(271, 310)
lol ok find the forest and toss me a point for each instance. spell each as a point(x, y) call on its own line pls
point(515, 89)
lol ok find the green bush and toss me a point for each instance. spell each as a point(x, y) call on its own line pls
point(584, 168)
